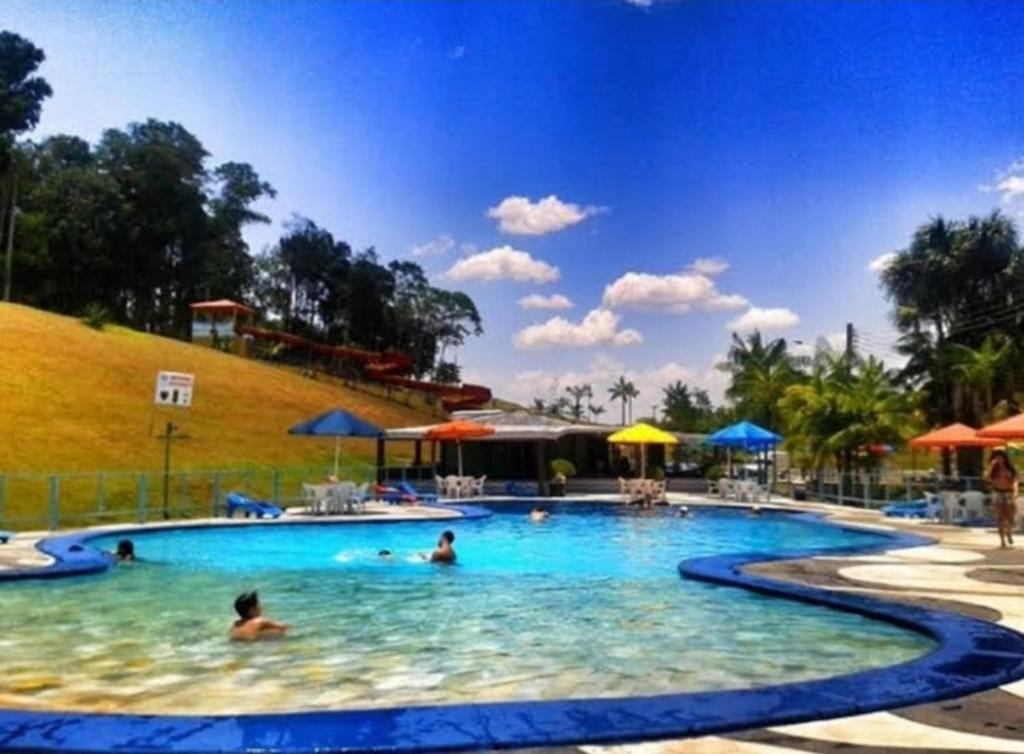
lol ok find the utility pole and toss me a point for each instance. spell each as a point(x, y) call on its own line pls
point(849, 342)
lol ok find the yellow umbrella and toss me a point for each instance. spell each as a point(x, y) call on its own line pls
point(643, 435)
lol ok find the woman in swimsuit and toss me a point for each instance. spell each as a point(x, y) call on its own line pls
point(1003, 477)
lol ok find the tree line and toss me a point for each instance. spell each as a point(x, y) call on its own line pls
point(142, 224)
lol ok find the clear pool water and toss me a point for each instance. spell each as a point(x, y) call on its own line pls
point(588, 603)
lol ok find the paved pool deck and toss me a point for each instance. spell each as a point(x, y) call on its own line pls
point(963, 572)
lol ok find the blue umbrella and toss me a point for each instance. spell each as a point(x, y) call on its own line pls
point(746, 435)
point(337, 424)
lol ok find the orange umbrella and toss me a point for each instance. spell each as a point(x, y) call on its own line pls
point(1007, 429)
point(458, 431)
point(954, 436)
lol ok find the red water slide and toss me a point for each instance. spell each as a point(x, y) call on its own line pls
point(387, 367)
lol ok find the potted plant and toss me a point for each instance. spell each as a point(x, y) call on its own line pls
point(562, 471)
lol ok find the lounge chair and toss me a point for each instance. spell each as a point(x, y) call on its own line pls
point(236, 501)
point(415, 494)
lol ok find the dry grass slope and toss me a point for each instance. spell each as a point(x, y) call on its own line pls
point(75, 399)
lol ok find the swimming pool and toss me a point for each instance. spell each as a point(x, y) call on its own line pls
point(587, 604)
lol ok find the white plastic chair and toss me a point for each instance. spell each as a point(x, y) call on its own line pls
point(477, 485)
point(357, 498)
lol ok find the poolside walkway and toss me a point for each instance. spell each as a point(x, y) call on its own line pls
point(963, 572)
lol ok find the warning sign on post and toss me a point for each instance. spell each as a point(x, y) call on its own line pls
point(174, 389)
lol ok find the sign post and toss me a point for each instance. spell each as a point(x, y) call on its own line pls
point(172, 389)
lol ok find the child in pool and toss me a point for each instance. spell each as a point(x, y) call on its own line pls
point(251, 625)
point(538, 514)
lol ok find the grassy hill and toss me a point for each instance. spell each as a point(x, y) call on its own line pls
point(77, 399)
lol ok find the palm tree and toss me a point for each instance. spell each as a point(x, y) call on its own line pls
point(579, 393)
point(620, 392)
point(595, 411)
point(978, 369)
point(842, 409)
point(539, 405)
point(631, 393)
point(761, 372)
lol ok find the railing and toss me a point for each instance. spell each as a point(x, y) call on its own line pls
point(873, 490)
point(62, 500)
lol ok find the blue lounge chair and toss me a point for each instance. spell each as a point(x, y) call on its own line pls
point(236, 501)
point(407, 489)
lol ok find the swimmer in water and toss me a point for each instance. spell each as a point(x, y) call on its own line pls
point(251, 625)
point(684, 511)
point(755, 511)
point(444, 553)
point(125, 551)
point(385, 555)
point(538, 514)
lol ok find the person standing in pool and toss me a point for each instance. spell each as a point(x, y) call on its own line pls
point(444, 553)
point(1003, 477)
point(251, 625)
point(125, 552)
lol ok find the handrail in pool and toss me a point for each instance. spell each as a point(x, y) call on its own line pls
point(972, 655)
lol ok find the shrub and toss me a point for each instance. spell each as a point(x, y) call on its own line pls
point(658, 473)
point(563, 467)
point(95, 316)
point(715, 472)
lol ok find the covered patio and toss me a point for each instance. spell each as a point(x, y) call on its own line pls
point(521, 448)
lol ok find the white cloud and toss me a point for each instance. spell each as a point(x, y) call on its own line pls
point(677, 293)
point(879, 263)
point(709, 266)
point(520, 216)
point(435, 247)
point(1009, 184)
point(503, 263)
point(599, 327)
point(554, 301)
point(765, 320)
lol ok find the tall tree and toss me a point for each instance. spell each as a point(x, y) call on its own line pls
point(761, 371)
point(579, 393)
point(955, 284)
point(621, 391)
point(21, 102)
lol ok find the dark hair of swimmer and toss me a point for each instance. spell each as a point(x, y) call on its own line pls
point(125, 550)
point(384, 554)
point(245, 604)
point(448, 536)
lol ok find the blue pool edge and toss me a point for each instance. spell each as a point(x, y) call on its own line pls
point(971, 655)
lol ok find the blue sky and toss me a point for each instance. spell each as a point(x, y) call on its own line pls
point(594, 149)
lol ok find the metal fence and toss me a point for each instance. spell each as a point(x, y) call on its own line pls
point(874, 490)
point(62, 500)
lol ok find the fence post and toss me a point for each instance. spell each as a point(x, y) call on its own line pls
point(867, 490)
point(184, 507)
point(143, 492)
point(101, 493)
point(54, 501)
point(216, 492)
point(839, 489)
point(910, 491)
point(277, 487)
